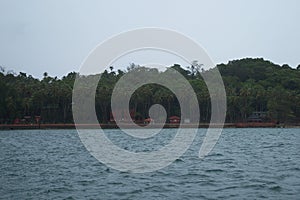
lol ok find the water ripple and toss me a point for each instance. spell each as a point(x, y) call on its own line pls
point(245, 164)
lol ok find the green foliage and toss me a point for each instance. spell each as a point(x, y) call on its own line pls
point(259, 85)
point(251, 85)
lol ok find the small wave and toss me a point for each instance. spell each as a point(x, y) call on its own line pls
point(257, 186)
point(121, 193)
point(226, 188)
point(69, 198)
point(58, 190)
point(156, 188)
point(215, 154)
point(274, 146)
point(276, 188)
point(295, 169)
point(115, 183)
point(179, 160)
point(199, 176)
point(86, 182)
point(214, 170)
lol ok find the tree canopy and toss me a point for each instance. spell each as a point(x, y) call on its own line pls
point(251, 85)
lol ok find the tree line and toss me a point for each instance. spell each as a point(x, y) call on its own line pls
point(251, 85)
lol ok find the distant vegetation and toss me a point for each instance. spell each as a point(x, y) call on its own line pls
point(251, 85)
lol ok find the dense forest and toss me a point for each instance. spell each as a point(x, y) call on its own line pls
point(252, 85)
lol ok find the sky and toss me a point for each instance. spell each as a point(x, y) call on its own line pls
point(55, 36)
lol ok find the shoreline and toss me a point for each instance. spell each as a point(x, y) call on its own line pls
point(114, 126)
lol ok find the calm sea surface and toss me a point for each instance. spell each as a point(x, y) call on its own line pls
point(245, 164)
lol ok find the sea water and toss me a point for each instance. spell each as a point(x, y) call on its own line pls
point(245, 164)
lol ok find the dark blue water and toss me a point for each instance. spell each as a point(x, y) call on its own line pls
point(245, 164)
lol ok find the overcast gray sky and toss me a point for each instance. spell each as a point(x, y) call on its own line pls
point(55, 36)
